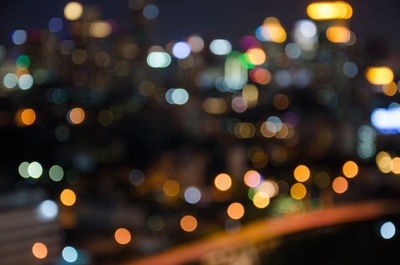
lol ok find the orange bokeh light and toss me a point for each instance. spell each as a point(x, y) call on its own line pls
point(301, 173)
point(188, 223)
point(350, 169)
point(340, 185)
point(395, 165)
point(68, 197)
point(338, 34)
point(122, 236)
point(379, 75)
point(223, 182)
point(39, 250)
point(76, 116)
point(329, 10)
point(25, 117)
point(256, 56)
point(235, 210)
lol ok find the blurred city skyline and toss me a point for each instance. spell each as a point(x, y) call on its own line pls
point(372, 20)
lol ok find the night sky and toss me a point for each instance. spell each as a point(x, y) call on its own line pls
point(372, 20)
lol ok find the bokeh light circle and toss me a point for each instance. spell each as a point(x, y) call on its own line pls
point(73, 10)
point(235, 210)
point(181, 50)
point(188, 223)
point(388, 230)
point(223, 182)
point(122, 236)
point(70, 254)
point(68, 197)
point(39, 250)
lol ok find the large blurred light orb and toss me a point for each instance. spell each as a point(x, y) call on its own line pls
point(70, 254)
point(25, 81)
point(10, 80)
point(235, 210)
point(56, 173)
point(122, 236)
point(301, 173)
point(100, 29)
point(150, 11)
point(293, 50)
point(179, 96)
point(68, 197)
point(23, 169)
point(386, 120)
point(196, 43)
point(252, 178)
point(261, 199)
point(188, 223)
point(158, 59)
point(388, 230)
point(223, 182)
point(47, 210)
point(19, 37)
point(220, 47)
point(76, 116)
point(379, 75)
point(35, 170)
point(73, 10)
point(350, 69)
point(181, 50)
point(55, 24)
point(307, 28)
point(274, 124)
point(192, 195)
point(39, 250)
point(329, 10)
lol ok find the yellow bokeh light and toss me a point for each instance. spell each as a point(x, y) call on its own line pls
point(100, 29)
point(250, 94)
point(329, 10)
point(256, 56)
point(261, 199)
point(122, 236)
point(73, 10)
point(395, 165)
point(379, 75)
point(214, 105)
point(223, 182)
point(340, 185)
point(25, 117)
point(235, 210)
point(338, 34)
point(68, 197)
point(390, 89)
point(188, 223)
point(76, 116)
point(350, 169)
point(171, 188)
point(39, 250)
point(265, 131)
point(298, 191)
point(384, 162)
point(276, 33)
point(252, 178)
point(272, 30)
point(301, 173)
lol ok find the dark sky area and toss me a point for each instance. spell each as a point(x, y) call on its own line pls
point(372, 19)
